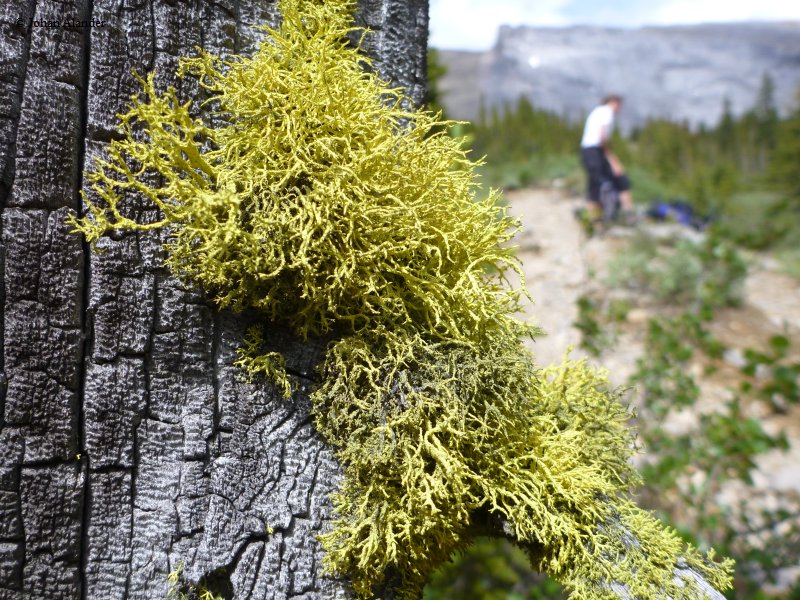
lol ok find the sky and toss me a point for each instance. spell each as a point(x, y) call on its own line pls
point(473, 24)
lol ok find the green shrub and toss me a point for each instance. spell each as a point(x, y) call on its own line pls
point(686, 472)
point(708, 273)
point(491, 569)
point(789, 258)
point(753, 219)
point(597, 321)
point(534, 170)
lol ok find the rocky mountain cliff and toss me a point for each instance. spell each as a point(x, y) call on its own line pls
point(681, 73)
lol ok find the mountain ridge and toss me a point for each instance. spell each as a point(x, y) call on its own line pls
point(682, 73)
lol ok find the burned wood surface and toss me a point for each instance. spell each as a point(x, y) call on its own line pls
point(128, 442)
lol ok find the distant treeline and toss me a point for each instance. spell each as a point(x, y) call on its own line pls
point(744, 171)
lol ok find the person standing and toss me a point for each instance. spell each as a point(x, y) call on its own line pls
point(599, 161)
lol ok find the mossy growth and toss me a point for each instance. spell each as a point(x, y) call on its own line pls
point(180, 590)
point(317, 199)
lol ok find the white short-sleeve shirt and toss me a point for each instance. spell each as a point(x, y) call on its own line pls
point(599, 120)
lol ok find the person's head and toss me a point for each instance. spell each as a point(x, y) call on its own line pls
point(614, 101)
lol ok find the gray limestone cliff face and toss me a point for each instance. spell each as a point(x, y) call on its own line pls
point(128, 442)
point(678, 73)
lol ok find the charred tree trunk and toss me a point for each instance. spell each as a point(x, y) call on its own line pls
point(128, 444)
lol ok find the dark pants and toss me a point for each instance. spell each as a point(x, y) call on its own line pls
point(598, 170)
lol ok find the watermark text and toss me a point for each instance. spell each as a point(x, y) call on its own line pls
point(60, 23)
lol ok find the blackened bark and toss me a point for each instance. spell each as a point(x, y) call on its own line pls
point(128, 444)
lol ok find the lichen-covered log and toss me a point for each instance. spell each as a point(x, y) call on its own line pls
point(127, 442)
point(132, 447)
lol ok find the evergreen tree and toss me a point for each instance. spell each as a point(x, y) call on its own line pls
point(785, 164)
point(436, 70)
point(766, 114)
point(727, 139)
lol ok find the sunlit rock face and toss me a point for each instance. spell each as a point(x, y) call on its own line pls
point(682, 73)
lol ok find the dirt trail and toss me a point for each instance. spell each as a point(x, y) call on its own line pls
point(551, 250)
point(558, 262)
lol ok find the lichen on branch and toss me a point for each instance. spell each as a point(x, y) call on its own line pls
point(311, 201)
point(303, 189)
point(431, 433)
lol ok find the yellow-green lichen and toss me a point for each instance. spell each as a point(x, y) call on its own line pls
point(310, 201)
point(180, 590)
point(318, 200)
point(430, 433)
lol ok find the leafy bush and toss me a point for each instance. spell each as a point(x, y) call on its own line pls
point(685, 473)
point(709, 273)
point(753, 220)
point(491, 569)
point(779, 384)
point(534, 170)
point(596, 321)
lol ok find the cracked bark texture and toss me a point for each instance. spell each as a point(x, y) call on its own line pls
point(128, 444)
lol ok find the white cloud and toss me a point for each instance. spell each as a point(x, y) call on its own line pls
point(473, 24)
point(707, 11)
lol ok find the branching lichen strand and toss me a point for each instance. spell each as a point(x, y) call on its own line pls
point(319, 201)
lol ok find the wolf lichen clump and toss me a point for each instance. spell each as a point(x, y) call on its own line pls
point(318, 200)
point(431, 433)
point(310, 202)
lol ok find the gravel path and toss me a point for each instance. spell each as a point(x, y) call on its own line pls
point(560, 264)
point(551, 250)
